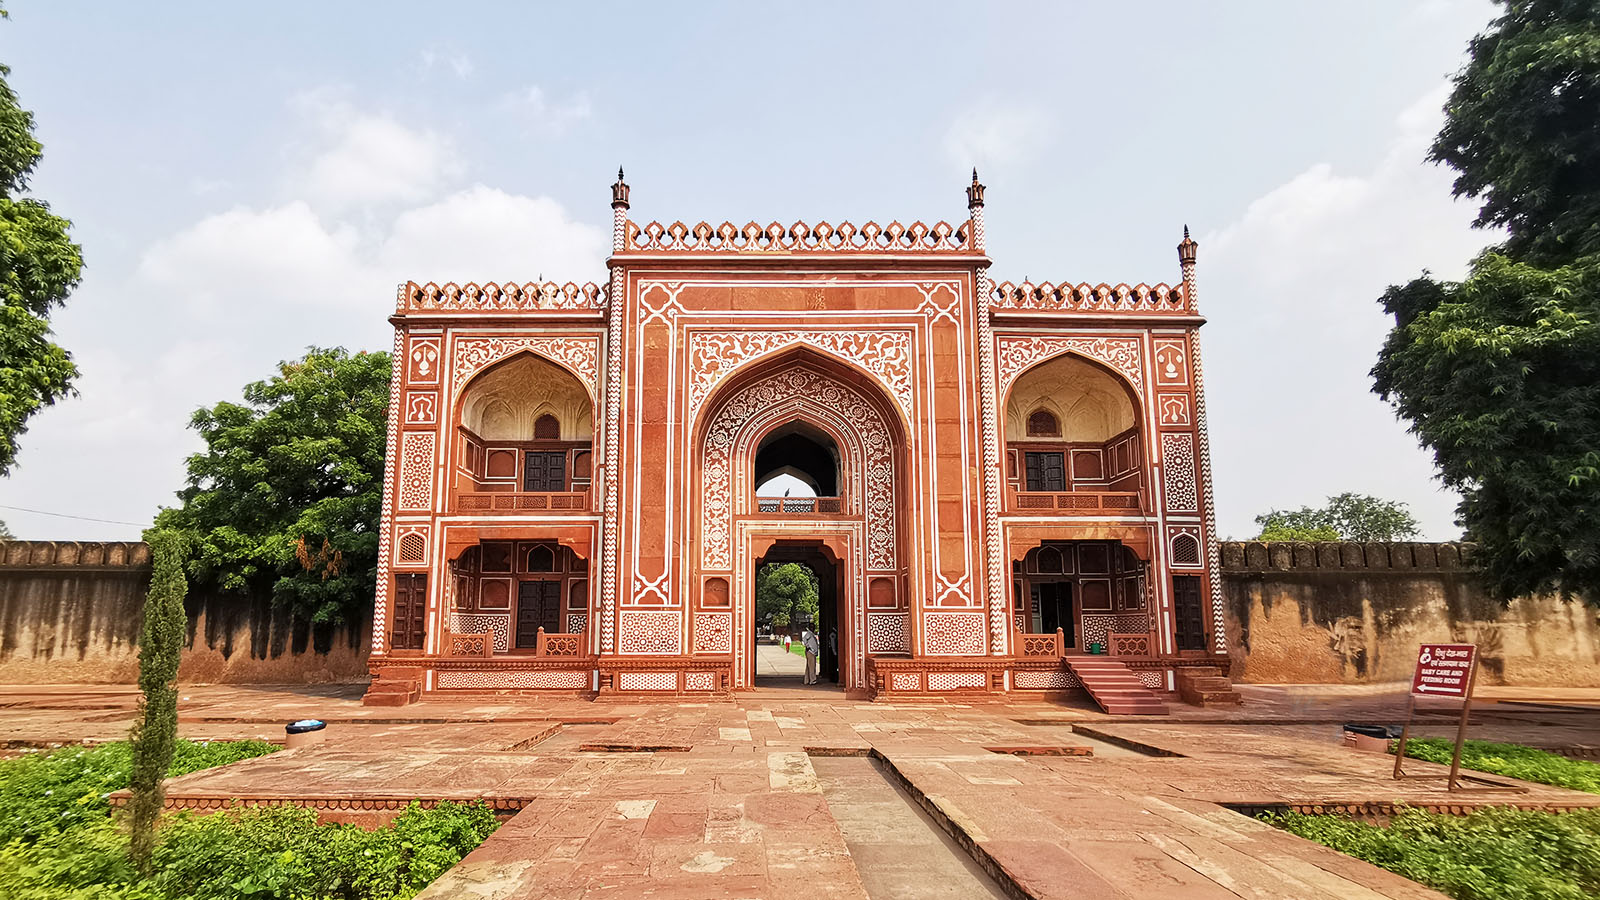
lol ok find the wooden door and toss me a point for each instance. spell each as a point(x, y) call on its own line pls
point(409, 624)
point(1055, 610)
point(544, 471)
point(1187, 608)
point(538, 606)
point(1046, 472)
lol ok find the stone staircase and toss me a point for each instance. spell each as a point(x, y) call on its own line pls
point(1115, 687)
point(392, 691)
point(1206, 686)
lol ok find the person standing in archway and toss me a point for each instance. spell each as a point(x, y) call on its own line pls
point(809, 639)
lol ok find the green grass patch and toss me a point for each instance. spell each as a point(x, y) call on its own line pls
point(42, 794)
point(1492, 854)
point(58, 838)
point(1510, 760)
point(797, 648)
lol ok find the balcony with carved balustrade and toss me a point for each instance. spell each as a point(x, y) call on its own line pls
point(1074, 503)
point(799, 506)
point(499, 503)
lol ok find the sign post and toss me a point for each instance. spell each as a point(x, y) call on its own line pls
point(1443, 670)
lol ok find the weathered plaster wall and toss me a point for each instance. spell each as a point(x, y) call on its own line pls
point(71, 613)
point(1355, 613)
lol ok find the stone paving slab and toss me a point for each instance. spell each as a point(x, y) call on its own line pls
point(742, 813)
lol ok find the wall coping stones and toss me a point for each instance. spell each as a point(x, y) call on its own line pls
point(36, 555)
point(1398, 557)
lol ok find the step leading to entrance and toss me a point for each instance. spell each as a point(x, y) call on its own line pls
point(1115, 687)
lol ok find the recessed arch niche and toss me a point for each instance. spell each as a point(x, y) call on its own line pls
point(508, 401)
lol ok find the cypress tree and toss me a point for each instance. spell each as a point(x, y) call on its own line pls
point(156, 728)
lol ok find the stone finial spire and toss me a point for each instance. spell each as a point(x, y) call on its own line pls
point(974, 192)
point(1186, 249)
point(1186, 256)
point(619, 213)
point(619, 192)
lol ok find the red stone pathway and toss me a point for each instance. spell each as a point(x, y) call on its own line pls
point(742, 813)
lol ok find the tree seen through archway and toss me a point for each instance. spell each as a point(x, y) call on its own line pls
point(786, 595)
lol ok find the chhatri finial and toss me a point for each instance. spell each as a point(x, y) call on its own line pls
point(619, 192)
point(974, 191)
point(1186, 249)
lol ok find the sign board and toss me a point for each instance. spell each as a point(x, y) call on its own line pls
point(1444, 670)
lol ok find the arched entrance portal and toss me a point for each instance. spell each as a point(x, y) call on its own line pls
point(832, 431)
point(829, 623)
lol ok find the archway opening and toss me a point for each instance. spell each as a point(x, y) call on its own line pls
point(796, 460)
point(797, 593)
point(1071, 426)
point(525, 425)
point(1086, 590)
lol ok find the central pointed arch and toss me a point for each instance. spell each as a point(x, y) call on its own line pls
point(800, 391)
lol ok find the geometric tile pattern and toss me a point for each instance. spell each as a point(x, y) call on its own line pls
point(1177, 458)
point(949, 681)
point(1096, 628)
point(713, 632)
point(905, 681)
point(500, 626)
point(490, 681)
point(1154, 679)
point(416, 470)
point(699, 681)
point(647, 681)
point(886, 633)
point(577, 622)
point(651, 632)
point(953, 633)
point(1035, 681)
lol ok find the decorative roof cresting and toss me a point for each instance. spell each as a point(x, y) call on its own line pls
point(491, 297)
point(941, 237)
point(1138, 298)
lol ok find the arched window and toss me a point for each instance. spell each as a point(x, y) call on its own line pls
point(1042, 423)
point(542, 558)
point(546, 428)
point(1185, 550)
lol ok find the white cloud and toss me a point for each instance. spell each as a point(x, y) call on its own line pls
point(996, 135)
point(1291, 288)
point(542, 113)
point(459, 64)
point(369, 159)
point(484, 233)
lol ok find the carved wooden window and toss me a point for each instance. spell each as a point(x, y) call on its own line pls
point(1042, 423)
point(1046, 472)
point(543, 471)
point(1186, 603)
point(410, 612)
point(546, 428)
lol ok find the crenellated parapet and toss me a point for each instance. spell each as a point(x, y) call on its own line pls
point(1142, 299)
point(490, 297)
point(941, 237)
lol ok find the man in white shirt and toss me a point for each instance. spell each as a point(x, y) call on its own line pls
point(809, 639)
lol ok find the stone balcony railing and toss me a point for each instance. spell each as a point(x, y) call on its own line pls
point(1074, 503)
point(500, 502)
point(799, 505)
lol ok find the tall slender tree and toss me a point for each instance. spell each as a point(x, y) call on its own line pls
point(39, 267)
point(156, 729)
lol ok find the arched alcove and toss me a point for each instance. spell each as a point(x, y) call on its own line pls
point(525, 425)
point(1071, 425)
point(507, 401)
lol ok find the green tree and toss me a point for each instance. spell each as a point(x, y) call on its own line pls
point(155, 730)
point(786, 593)
point(1498, 374)
point(285, 499)
point(39, 267)
point(1345, 517)
point(1521, 128)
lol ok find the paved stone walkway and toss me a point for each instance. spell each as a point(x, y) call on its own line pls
point(729, 803)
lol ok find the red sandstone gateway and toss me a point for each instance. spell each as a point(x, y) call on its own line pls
point(1010, 480)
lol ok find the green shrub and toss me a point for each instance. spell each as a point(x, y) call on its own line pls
point(282, 852)
point(1510, 760)
point(277, 852)
point(46, 793)
point(1492, 854)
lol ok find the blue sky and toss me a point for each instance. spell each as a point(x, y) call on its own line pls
point(249, 180)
